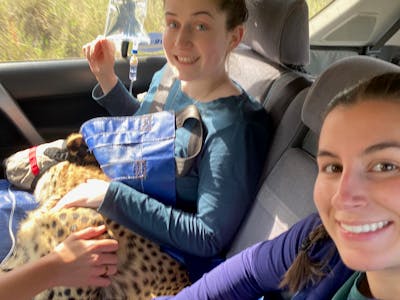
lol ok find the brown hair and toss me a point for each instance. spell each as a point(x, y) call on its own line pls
point(384, 87)
point(236, 11)
point(304, 271)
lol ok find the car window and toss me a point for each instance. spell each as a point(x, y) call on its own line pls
point(315, 6)
point(57, 29)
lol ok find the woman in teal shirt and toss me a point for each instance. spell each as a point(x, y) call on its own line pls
point(214, 196)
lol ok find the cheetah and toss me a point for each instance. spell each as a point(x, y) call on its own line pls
point(143, 270)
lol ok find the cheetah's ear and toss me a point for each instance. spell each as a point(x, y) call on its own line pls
point(78, 151)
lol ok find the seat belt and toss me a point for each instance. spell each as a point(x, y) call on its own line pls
point(281, 93)
point(9, 106)
point(183, 164)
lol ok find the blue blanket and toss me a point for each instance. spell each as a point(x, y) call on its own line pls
point(14, 204)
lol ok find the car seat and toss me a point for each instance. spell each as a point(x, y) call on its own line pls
point(269, 62)
point(286, 190)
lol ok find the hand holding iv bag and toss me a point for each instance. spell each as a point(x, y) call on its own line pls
point(125, 19)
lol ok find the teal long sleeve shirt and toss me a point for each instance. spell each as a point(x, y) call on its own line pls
point(215, 195)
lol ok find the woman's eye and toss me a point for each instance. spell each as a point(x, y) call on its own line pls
point(201, 27)
point(384, 167)
point(172, 25)
point(332, 168)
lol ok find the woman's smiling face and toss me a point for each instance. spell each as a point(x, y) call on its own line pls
point(196, 41)
point(357, 191)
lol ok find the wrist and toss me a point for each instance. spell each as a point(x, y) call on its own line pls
point(107, 82)
point(52, 262)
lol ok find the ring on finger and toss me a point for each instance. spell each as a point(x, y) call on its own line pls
point(105, 271)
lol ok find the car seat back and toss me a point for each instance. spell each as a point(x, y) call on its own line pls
point(269, 62)
point(286, 190)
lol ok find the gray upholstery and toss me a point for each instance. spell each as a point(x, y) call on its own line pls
point(321, 59)
point(340, 75)
point(253, 72)
point(289, 132)
point(278, 30)
point(267, 66)
point(276, 37)
point(286, 191)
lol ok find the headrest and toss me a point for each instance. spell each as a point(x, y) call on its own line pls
point(278, 30)
point(340, 75)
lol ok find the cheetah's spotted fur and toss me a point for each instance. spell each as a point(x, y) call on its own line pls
point(144, 271)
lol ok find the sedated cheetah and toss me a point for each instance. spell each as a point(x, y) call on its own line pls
point(144, 271)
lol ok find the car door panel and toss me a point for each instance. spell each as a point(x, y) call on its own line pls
point(46, 100)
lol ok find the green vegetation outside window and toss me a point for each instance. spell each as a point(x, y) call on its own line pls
point(57, 29)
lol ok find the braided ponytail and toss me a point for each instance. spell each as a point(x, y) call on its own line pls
point(303, 270)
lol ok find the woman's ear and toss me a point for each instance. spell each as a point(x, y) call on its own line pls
point(236, 37)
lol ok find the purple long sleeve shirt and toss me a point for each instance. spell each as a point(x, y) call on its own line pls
point(258, 270)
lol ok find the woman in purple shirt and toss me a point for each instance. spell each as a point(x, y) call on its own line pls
point(351, 249)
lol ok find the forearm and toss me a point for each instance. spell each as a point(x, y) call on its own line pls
point(118, 101)
point(28, 280)
point(220, 200)
point(254, 271)
point(161, 223)
point(107, 81)
point(234, 279)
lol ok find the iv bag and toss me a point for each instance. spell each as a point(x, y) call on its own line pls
point(125, 19)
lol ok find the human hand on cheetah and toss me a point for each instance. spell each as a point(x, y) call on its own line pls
point(80, 260)
point(88, 194)
point(84, 260)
